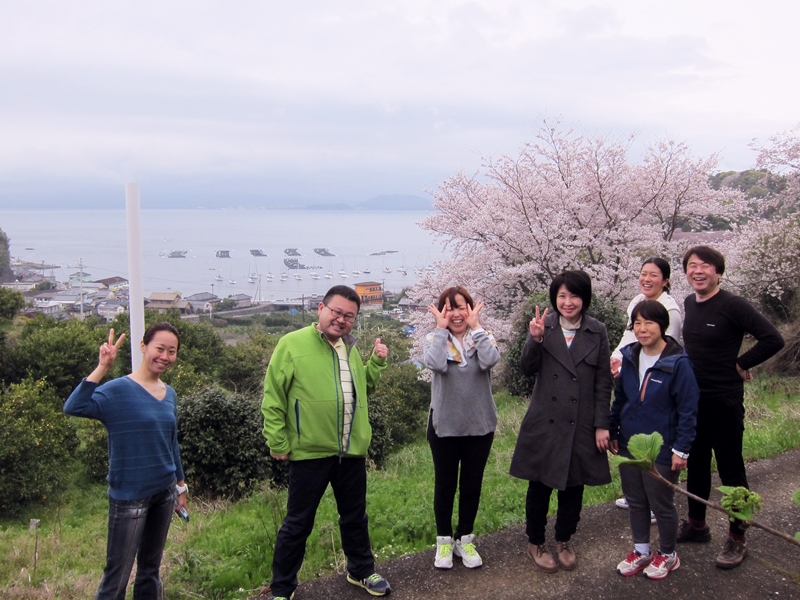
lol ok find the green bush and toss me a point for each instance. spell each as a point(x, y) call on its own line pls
point(59, 352)
point(242, 366)
point(223, 450)
point(36, 445)
point(93, 448)
point(398, 410)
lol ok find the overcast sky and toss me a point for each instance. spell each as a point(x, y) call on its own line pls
point(246, 102)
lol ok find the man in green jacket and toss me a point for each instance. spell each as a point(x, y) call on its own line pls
point(315, 416)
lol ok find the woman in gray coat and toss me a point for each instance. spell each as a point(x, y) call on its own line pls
point(564, 436)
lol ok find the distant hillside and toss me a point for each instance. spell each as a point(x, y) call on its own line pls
point(396, 202)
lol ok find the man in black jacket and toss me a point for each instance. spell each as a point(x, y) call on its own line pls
point(715, 322)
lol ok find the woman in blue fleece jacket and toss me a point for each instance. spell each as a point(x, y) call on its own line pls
point(145, 475)
point(656, 391)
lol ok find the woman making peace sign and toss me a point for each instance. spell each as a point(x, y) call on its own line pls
point(145, 475)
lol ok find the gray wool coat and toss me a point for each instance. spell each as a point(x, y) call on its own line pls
point(571, 398)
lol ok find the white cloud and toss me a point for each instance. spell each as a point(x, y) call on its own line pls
point(421, 87)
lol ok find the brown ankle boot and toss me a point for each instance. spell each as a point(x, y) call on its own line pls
point(566, 555)
point(542, 558)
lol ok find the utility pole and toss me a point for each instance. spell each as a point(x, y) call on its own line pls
point(80, 274)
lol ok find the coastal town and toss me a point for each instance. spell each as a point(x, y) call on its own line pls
point(80, 295)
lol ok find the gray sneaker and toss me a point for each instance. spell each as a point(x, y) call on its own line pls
point(732, 555)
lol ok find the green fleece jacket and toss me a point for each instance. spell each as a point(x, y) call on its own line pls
point(303, 403)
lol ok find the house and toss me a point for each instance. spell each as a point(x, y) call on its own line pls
point(164, 301)
point(371, 294)
point(407, 305)
point(242, 300)
point(202, 302)
point(109, 309)
point(114, 284)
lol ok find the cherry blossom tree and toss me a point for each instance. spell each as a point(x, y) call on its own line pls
point(568, 200)
point(765, 255)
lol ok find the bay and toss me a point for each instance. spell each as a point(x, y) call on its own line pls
point(98, 240)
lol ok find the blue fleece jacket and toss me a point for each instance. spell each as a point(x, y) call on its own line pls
point(666, 401)
point(143, 455)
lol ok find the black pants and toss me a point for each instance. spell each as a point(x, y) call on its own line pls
point(570, 501)
point(308, 480)
point(471, 452)
point(720, 428)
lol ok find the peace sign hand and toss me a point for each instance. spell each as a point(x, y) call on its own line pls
point(108, 351)
point(536, 326)
point(108, 354)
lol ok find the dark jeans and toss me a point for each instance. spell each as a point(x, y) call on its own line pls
point(308, 480)
point(136, 529)
point(471, 452)
point(537, 503)
point(720, 428)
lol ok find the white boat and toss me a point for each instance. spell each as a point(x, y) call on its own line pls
point(387, 270)
point(402, 270)
point(284, 277)
point(231, 282)
point(218, 278)
point(297, 277)
point(356, 272)
point(315, 276)
point(328, 275)
point(252, 279)
point(268, 277)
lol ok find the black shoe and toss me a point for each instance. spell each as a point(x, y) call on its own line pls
point(689, 533)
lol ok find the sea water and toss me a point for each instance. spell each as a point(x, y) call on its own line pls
point(97, 240)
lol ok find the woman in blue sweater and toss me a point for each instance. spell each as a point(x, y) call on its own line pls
point(145, 475)
point(656, 392)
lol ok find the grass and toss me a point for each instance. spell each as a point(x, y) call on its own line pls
point(225, 551)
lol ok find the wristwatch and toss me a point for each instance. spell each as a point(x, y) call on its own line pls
point(182, 489)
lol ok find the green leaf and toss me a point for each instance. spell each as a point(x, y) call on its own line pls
point(740, 502)
point(796, 497)
point(645, 447)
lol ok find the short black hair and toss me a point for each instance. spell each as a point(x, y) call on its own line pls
point(345, 292)
point(577, 282)
point(706, 254)
point(651, 310)
point(151, 331)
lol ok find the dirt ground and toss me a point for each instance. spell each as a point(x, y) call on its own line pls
point(772, 569)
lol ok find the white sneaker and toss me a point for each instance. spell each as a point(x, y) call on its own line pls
point(444, 552)
point(662, 565)
point(634, 563)
point(465, 548)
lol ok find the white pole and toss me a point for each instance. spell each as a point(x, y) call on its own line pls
point(136, 286)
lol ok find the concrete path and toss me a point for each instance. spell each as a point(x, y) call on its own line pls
point(772, 569)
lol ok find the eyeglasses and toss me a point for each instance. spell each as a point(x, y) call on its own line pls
point(349, 318)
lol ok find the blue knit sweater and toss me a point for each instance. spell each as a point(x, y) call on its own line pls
point(143, 454)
